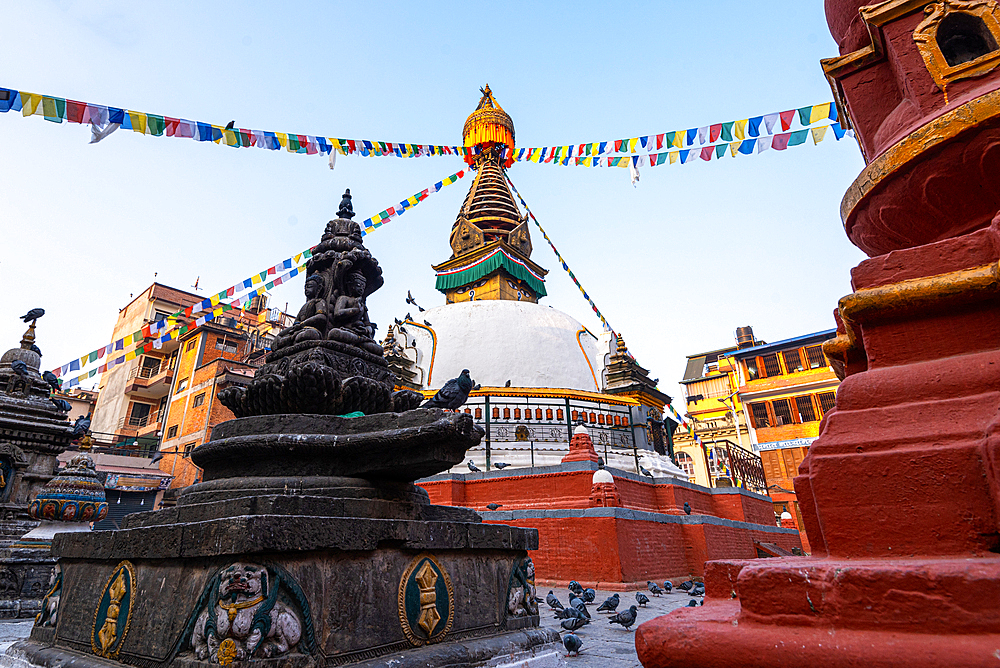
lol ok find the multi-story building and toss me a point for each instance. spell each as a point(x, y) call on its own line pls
point(81, 400)
point(785, 389)
point(714, 410)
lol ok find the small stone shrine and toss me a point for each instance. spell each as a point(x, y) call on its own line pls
point(307, 543)
point(33, 431)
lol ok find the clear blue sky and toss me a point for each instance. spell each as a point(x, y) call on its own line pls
point(675, 264)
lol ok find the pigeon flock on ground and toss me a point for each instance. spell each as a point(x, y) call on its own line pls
point(575, 616)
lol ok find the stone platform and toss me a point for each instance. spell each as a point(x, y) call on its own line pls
point(299, 570)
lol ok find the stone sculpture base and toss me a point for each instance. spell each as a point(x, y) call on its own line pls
point(353, 570)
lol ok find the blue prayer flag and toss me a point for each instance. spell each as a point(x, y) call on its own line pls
point(691, 134)
point(116, 115)
point(754, 127)
point(204, 132)
point(746, 148)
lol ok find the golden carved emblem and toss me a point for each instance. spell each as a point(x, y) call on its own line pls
point(958, 39)
point(227, 651)
point(233, 608)
point(119, 593)
point(421, 607)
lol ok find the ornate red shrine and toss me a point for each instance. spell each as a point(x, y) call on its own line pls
point(901, 492)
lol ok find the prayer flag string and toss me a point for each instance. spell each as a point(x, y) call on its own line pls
point(383, 217)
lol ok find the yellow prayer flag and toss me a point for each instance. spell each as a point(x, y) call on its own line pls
point(138, 121)
point(625, 162)
point(740, 129)
point(733, 147)
point(297, 257)
point(632, 144)
point(673, 156)
point(30, 104)
point(255, 279)
point(282, 139)
point(678, 140)
point(130, 355)
point(217, 312)
point(231, 138)
point(819, 133)
point(819, 112)
point(83, 360)
point(214, 299)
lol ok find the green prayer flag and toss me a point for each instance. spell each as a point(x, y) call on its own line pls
point(92, 357)
point(727, 130)
point(720, 150)
point(804, 114)
point(798, 137)
point(155, 124)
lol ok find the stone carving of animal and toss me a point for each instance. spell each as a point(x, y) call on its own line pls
point(245, 616)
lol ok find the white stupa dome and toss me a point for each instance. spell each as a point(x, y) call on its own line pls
point(528, 344)
point(602, 475)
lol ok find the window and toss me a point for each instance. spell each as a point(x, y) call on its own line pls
point(771, 366)
point(188, 448)
point(182, 385)
point(225, 346)
point(816, 358)
point(963, 37)
point(758, 413)
point(752, 373)
point(139, 415)
point(806, 411)
point(827, 401)
point(782, 411)
point(199, 400)
point(159, 315)
point(685, 463)
point(190, 346)
point(172, 432)
point(717, 461)
point(793, 361)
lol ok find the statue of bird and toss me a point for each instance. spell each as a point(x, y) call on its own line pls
point(33, 314)
point(453, 394)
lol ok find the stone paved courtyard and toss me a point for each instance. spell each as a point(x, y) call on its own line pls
point(606, 644)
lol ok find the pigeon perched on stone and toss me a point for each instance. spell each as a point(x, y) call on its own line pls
point(641, 598)
point(427, 323)
point(572, 643)
point(62, 405)
point(474, 468)
point(574, 623)
point(397, 321)
point(81, 426)
point(20, 368)
point(507, 384)
point(667, 586)
point(626, 617)
point(687, 585)
point(500, 465)
point(698, 589)
point(692, 603)
point(588, 595)
point(35, 349)
point(645, 472)
point(610, 604)
point(51, 379)
point(33, 314)
point(654, 588)
point(494, 506)
point(687, 508)
point(453, 394)
point(553, 601)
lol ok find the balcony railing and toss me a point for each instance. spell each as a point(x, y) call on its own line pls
point(117, 444)
point(136, 422)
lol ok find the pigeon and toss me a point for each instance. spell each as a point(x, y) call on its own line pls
point(20, 368)
point(645, 472)
point(494, 506)
point(453, 394)
point(473, 467)
point(566, 613)
point(687, 585)
point(610, 604)
point(692, 603)
point(500, 466)
point(398, 321)
point(33, 314)
point(588, 595)
point(574, 623)
point(230, 125)
point(553, 602)
point(641, 598)
point(687, 508)
point(81, 426)
point(427, 323)
point(698, 589)
point(35, 349)
point(667, 586)
point(626, 617)
point(51, 379)
point(62, 405)
point(408, 318)
point(410, 299)
point(578, 604)
point(572, 643)
point(575, 587)
point(507, 384)
point(600, 462)
point(654, 588)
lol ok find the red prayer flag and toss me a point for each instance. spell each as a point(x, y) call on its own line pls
point(231, 291)
point(714, 131)
point(278, 281)
point(707, 153)
point(171, 125)
point(74, 111)
point(351, 145)
point(659, 142)
point(780, 142)
point(786, 119)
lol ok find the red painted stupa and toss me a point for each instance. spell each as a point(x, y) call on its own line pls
point(901, 492)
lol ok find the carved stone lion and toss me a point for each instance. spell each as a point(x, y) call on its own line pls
point(245, 617)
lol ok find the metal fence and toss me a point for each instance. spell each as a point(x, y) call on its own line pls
point(117, 444)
